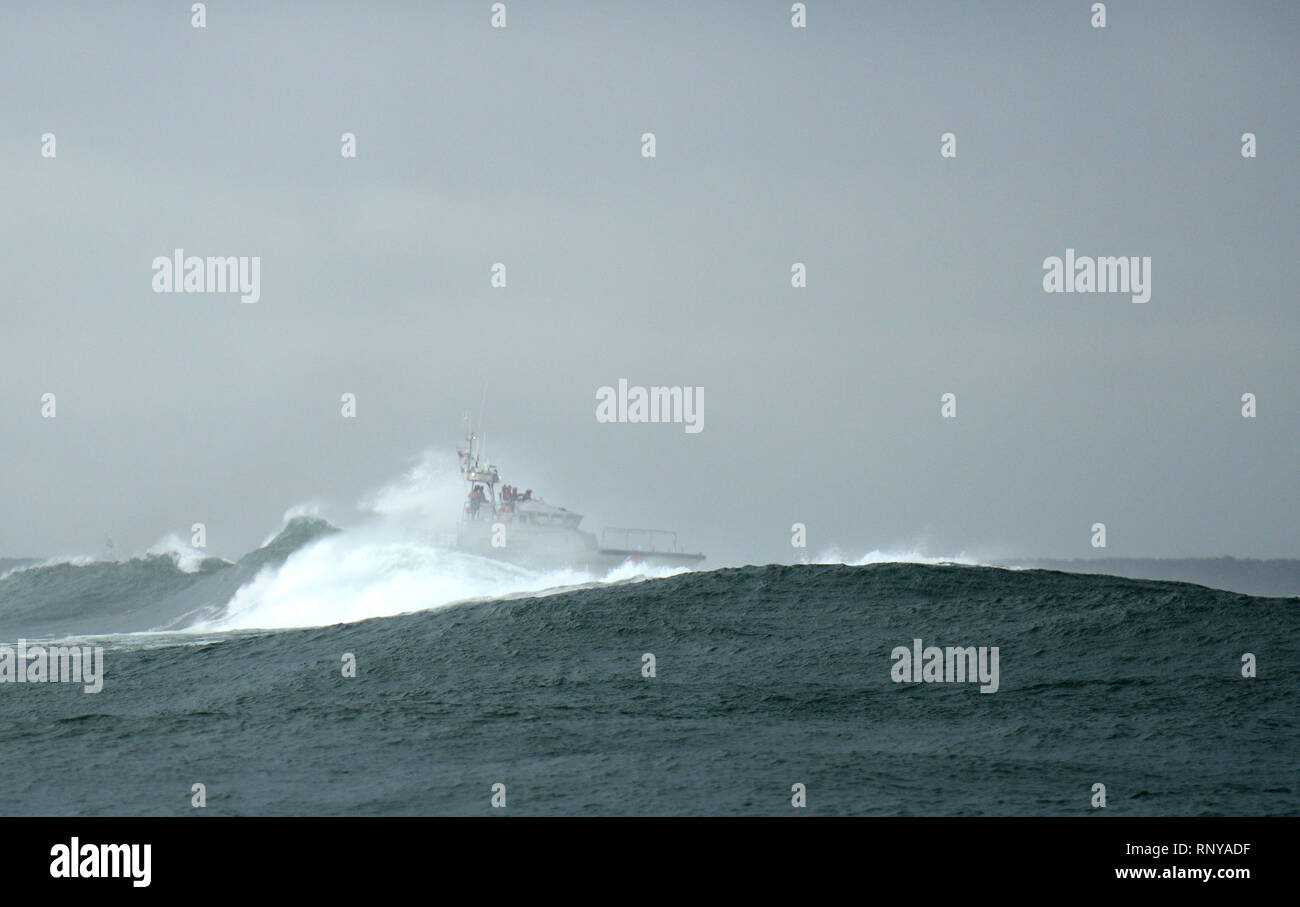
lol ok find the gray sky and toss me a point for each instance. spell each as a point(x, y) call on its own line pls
point(775, 145)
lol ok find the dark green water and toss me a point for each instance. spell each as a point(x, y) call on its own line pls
point(766, 677)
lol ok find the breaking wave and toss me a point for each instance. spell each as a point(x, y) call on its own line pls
point(395, 560)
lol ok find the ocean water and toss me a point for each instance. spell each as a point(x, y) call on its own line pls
point(471, 674)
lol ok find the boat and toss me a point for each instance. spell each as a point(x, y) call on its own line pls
point(501, 522)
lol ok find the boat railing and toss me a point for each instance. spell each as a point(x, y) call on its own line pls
point(651, 540)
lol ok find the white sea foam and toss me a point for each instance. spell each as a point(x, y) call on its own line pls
point(392, 563)
point(187, 558)
point(834, 556)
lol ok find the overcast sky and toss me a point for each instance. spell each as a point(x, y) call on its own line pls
point(774, 145)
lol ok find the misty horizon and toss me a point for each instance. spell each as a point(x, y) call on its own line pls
point(925, 274)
